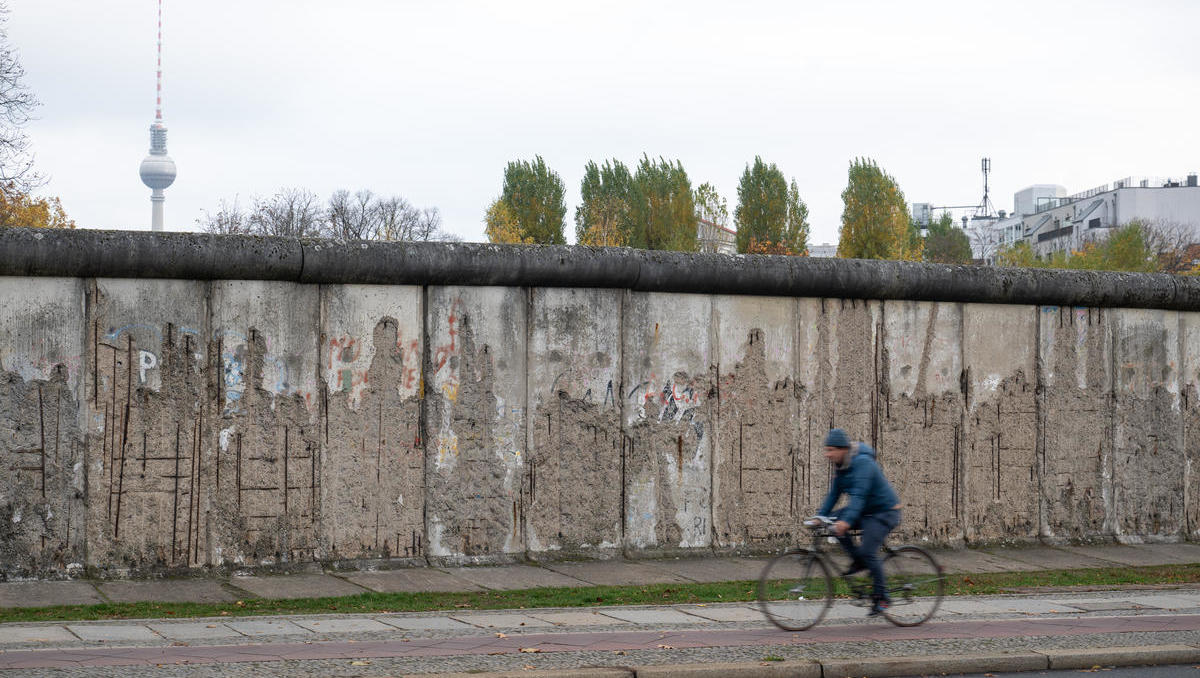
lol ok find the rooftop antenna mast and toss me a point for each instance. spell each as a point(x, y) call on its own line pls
point(985, 208)
point(157, 169)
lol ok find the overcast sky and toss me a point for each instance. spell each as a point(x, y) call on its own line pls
point(429, 100)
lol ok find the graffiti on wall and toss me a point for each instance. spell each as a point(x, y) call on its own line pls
point(348, 362)
point(282, 373)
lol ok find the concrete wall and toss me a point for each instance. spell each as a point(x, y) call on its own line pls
point(151, 425)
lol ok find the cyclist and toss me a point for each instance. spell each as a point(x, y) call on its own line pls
point(873, 507)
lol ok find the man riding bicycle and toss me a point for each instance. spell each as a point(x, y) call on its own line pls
point(873, 508)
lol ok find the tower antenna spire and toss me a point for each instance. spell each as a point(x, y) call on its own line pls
point(158, 78)
point(157, 169)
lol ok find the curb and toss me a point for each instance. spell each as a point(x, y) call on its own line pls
point(802, 669)
point(552, 673)
point(937, 664)
point(894, 667)
point(1123, 656)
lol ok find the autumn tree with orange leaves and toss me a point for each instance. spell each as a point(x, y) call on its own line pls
point(21, 209)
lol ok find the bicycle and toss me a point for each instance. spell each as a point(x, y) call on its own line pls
point(797, 587)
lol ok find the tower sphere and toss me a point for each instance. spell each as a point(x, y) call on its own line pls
point(157, 171)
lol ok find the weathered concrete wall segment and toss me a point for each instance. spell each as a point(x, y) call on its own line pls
point(155, 424)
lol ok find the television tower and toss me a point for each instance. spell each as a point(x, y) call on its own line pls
point(158, 169)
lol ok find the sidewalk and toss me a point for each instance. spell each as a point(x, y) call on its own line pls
point(560, 574)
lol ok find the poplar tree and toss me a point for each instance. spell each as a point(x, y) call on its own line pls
point(534, 195)
point(603, 218)
point(771, 218)
point(663, 211)
point(875, 219)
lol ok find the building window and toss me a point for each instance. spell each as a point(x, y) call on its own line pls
point(1094, 223)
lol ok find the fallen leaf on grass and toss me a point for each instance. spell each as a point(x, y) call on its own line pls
point(620, 652)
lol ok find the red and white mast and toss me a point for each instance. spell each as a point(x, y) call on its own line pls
point(158, 169)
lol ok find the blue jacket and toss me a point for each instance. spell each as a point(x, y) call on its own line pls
point(861, 478)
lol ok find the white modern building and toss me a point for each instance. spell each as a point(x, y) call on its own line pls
point(1051, 221)
point(989, 236)
point(823, 250)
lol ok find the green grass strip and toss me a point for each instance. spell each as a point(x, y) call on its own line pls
point(657, 594)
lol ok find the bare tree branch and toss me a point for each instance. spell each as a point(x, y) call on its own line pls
point(353, 217)
point(293, 212)
point(228, 219)
point(17, 104)
point(297, 213)
point(1172, 242)
point(985, 242)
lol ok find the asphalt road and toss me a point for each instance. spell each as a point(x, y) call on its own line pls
point(1180, 671)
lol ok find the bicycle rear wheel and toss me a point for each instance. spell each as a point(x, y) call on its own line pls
point(795, 590)
point(915, 584)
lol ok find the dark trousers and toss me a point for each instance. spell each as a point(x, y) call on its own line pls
point(875, 527)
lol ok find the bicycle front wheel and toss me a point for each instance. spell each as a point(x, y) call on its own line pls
point(795, 590)
point(915, 584)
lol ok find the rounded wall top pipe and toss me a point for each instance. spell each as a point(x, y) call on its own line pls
point(141, 254)
point(198, 256)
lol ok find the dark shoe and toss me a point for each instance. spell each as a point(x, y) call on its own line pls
point(878, 607)
point(854, 568)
